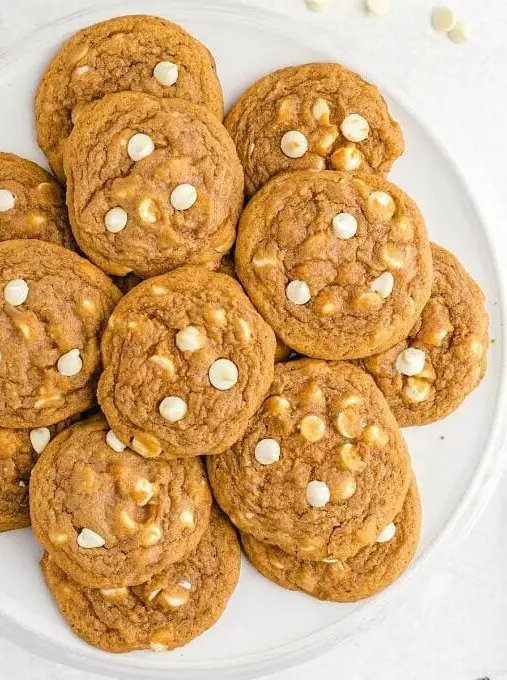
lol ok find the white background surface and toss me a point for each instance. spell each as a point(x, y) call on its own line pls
point(456, 627)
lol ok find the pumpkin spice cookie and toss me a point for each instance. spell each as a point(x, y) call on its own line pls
point(130, 53)
point(338, 265)
point(187, 362)
point(322, 468)
point(168, 611)
point(53, 308)
point(110, 518)
point(312, 117)
point(152, 184)
point(32, 203)
point(426, 377)
point(365, 574)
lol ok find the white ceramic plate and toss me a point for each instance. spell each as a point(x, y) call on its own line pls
point(457, 460)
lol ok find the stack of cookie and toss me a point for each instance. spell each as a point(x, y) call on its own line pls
point(306, 456)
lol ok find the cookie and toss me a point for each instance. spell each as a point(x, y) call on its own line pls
point(187, 362)
point(338, 265)
point(32, 203)
point(363, 575)
point(53, 308)
point(110, 518)
point(426, 376)
point(322, 467)
point(130, 53)
point(152, 184)
point(312, 117)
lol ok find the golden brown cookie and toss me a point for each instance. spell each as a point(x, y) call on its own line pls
point(152, 184)
point(426, 377)
point(32, 203)
point(110, 518)
point(338, 265)
point(365, 574)
point(187, 361)
point(53, 308)
point(312, 117)
point(322, 467)
point(130, 53)
point(169, 611)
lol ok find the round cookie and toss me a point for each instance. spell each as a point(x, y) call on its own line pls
point(187, 362)
point(322, 467)
point(110, 518)
point(426, 377)
point(152, 184)
point(53, 308)
point(338, 265)
point(130, 53)
point(32, 203)
point(363, 575)
point(169, 611)
point(312, 117)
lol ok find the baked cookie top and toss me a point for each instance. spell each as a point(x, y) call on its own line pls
point(427, 376)
point(339, 265)
point(32, 203)
point(169, 611)
point(373, 568)
point(312, 117)
point(322, 467)
point(152, 184)
point(53, 307)
point(110, 518)
point(130, 53)
point(187, 361)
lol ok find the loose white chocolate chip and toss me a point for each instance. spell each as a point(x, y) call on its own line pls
point(318, 5)
point(90, 539)
point(114, 443)
point(298, 292)
point(344, 225)
point(70, 364)
point(383, 285)
point(416, 390)
point(317, 494)
point(140, 146)
point(190, 339)
point(223, 374)
point(312, 428)
point(183, 196)
point(115, 220)
point(294, 144)
point(7, 200)
point(387, 533)
point(410, 361)
point(39, 438)
point(378, 7)
point(382, 204)
point(355, 128)
point(16, 292)
point(321, 111)
point(143, 491)
point(173, 409)
point(460, 33)
point(267, 451)
point(443, 19)
point(151, 535)
point(166, 73)
point(164, 362)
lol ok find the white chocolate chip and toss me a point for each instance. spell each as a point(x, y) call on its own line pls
point(173, 409)
point(318, 5)
point(16, 292)
point(173, 600)
point(443, 19)
point(312, 428)
point(347, 158)
point(410, 361)
point(317, 494)
point(190, 339)
point(143, 491)
point(186, 585)
point(70, 364)
point(460, 33)
point(151, 535)
point(321, 111)
point(146, 211)
point(114, 443)
point(378, 7)
point(21, 483)
point(267, 451)
point(115, 220)
point(140, 146)
point(7, 200)
point(298, 292)
point(387, 533)
point(416, 390)
point(183, 196)
point(355, 128)
point(294, 144)
point(158, 646)
point(187, 518)
point(383, 285)
point(39, 438)
point(114, 593)
point(89, 539)
point(223, 374)
point(166, 73)
point(164, 362)
point(344, 225)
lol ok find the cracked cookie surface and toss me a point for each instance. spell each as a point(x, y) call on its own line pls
point(130, 53)
point(110, 518)
point(322, 467)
